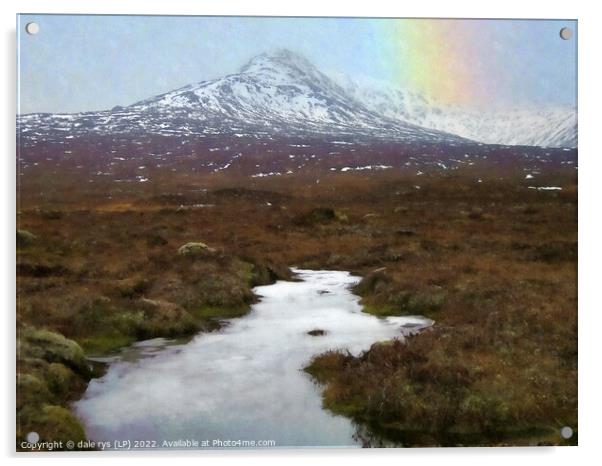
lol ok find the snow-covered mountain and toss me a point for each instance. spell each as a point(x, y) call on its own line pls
point(549, 126)
point(279, 92)
point(283, 93)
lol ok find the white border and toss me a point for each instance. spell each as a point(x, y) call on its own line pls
point(590, 170)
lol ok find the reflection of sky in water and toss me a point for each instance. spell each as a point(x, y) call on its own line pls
point(244, 382)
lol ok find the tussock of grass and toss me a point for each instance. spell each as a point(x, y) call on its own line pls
point(326, 366)
point(214, 312)
point(25, 238)
point(51, 370)
point(105, 343)
point(384, 310)
point(53, 424)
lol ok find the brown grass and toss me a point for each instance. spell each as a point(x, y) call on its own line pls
point(493, 263)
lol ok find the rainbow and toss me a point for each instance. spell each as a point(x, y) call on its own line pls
point(439, 58)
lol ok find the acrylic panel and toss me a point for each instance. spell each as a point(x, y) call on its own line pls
point(280, 232)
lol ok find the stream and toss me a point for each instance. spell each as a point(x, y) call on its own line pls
point(244, 382)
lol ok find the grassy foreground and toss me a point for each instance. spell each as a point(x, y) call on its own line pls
point(500, 365)
point(86, 298)
point(492, 262)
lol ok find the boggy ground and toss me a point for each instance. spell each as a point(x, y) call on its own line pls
point(492, 262)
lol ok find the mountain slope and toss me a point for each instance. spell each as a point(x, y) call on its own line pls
point(278, 92)
point(551, 126)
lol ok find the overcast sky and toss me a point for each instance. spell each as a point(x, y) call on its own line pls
point(80, 63)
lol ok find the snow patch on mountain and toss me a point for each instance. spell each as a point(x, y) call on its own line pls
point(546, 126)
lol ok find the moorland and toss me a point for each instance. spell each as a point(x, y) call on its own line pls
point(115, 248)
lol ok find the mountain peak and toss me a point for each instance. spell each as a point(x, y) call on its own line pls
point(284, 54)
point(279, 58)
